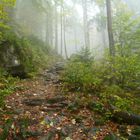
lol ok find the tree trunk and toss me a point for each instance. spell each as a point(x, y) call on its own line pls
point(104, 38)
point(56, 28)
point(110, 31)
point(61, 20)
point(64, 29)
point(49, 25)
point(85, 21)
point(51, 29)
point(47, 30)
point(75, 39)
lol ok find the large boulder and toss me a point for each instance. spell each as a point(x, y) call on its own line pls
point(17, 71)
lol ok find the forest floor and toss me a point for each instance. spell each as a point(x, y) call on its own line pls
point(43, 110)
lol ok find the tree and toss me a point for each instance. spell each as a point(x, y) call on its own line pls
point(61, 24)
point(101, 20)
point(5, 5)
point(49, 24)
point(124, 28)
point(56, 27)
point(85, 21)
point(64, 33)
point(110, 31)
point(63, 16)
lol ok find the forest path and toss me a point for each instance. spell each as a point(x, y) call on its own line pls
point(44, 111)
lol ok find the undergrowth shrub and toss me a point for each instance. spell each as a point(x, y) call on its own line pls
point(116, 96)
point(79, 73)
point(83, 73)
point(31, 52)
point(126, 71)
point(126, 74)
point(7, 86)
point(11, 126)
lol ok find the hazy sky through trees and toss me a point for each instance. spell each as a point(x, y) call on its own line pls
point(37, 18)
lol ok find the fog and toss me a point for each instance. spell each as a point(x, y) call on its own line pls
point(69, 25)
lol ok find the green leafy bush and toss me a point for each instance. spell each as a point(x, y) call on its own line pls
point(84, 56)
point(31, 52)
point(79, 73)
point(81, 77)
point(126, 71)
point(7, 86)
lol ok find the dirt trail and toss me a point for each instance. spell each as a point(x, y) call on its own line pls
point(41, 111)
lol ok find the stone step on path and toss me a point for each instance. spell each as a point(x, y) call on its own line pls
point(58, 134)
point(40, 101)
point(50, 109)
point(52, 75)
point(52, 104)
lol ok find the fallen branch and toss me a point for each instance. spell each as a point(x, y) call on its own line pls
point(124, 116)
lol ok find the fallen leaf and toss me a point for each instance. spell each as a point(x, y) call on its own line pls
point(73, 121)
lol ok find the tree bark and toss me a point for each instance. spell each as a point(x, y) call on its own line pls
point(64, 29)
point(110, 31)
point(56, 28)
point(85, 21)
point(75, 40)
point(61, 24)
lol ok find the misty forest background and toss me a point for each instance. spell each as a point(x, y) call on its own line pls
point(95, 46)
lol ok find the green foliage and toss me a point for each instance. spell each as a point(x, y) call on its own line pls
point(111, 137)
point(84, 56)
point(4, 14)
point(125, 28)
point(122, 103)
point(20, 47)
point(29, 51)
point(10, 128)
point(90, 76)
point(7, 86)
point(126, 71)
point(113, 90)
point(126, 74)
point(41, 52)
point(97, 106)
point(8, 124)
point(100, 3)
point(117, 97)
point(2, 72)
point(82, 73)
point(79, 73)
